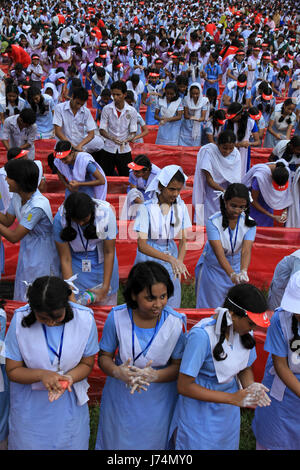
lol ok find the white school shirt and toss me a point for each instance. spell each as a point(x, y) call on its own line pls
point(75, 128)
point(18, 137)
point(120, 127)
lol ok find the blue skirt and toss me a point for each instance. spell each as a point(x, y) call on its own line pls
point(212, 283)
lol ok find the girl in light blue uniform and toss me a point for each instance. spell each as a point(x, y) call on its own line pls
point(277, 428)
point(49, 339)
point(152, 91)
point(219, 351)
point(43, 106)
point(229, 232)
point(212, 73)
point(84, 232)
point(142, 332)
point(4, 384)
point(37, 254)
point(195, 107)
point(138, 63)
point(169, 112)
point(161, 220)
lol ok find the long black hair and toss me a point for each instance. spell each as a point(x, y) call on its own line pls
point(239, 299)
point(78, 206)
point(12, 88)
point(235, 108)
point(236, 190)
point(287, 102)
point(40, 107)
point(47, 294)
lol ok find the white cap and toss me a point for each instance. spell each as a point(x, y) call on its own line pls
point(291, 297)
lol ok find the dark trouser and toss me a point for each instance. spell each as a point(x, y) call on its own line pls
point(108, 161)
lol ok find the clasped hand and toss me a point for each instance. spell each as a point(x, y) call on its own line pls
point(135, 378)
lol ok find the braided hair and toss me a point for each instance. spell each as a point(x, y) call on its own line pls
point(79, 206)
point(236, 108)
point(41, 106)
point(294, 344)
point(236, 190)
point(12, 88)
point(239, 299)
point(287, 102)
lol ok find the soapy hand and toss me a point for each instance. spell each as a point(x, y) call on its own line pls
point(257, 395)
point(143, 377)
point(243, 276)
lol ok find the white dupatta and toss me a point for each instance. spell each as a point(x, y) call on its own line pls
point(196, 108)
point(277, 200)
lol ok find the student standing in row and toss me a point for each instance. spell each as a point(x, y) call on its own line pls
point(118, 126)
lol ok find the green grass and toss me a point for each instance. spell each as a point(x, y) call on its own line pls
point(247, 439)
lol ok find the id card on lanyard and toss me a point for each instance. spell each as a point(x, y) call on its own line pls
point(86, 265)
point(233, 245)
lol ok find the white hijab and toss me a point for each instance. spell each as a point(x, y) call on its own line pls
point(275, 199)
point(196, 107)
point(164, 177)
point(220, 168)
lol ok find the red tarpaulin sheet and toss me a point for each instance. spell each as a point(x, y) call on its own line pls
point(97, 378)
point(270, 246)
point(160, 155)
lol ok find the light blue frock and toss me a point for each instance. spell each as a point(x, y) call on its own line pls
point(186, 130)
point(205, 425)
point(34, 422)
point(151, 101)
point(277, 427)
point(208, 270)
point(168, 133)
point(4, 389)
point(88, 280)
point(44, 121)
point(37, 255)
point(140, 421)
point(155, 234)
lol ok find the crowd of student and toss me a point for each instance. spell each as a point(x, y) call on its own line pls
point(223, 77)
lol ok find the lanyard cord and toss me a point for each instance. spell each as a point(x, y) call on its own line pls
point(58, 355)
point(149, 343)
point(85, 246)
point(236, 234)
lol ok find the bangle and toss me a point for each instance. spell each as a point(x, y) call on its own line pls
point(232, 274)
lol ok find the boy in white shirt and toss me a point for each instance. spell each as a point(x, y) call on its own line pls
point(118, 126)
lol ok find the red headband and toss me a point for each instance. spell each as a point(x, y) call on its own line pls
point(21, 154)
point(256, 117)
point(61, 155)
point(280, 187)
